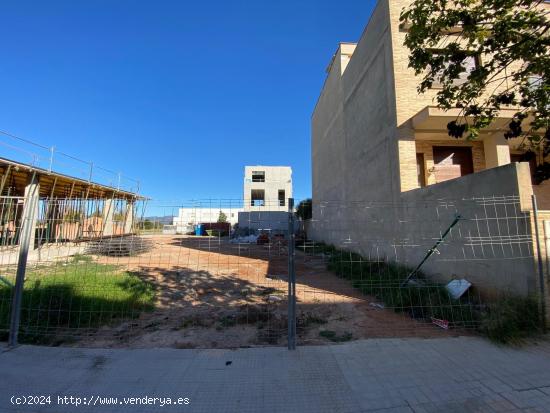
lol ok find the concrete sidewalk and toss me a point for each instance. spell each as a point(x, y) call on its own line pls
point(387, 375)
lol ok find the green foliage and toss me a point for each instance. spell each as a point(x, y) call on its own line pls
point(504, 320)
point(227, 321)
point(510, 41)
point(304, 209)
point(82, 294)
point(511, 319)
point(119, 216)
point(222, 217)
point(422, 299)
point(72, 215)
point(313, 248)
point(216, 233)
point(149, 225)
point(332, 336)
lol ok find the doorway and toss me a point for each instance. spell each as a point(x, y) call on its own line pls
point(452, 162)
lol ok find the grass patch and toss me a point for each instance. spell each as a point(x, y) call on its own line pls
point(80, 294)
point(332, 336)
point(422, 299)
point(511, 319)
point(504, 320)
point(315, 248)
point(309, 319)
point(227, 321)
point(216, 233)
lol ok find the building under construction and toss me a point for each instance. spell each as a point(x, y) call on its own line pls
point(59, 208)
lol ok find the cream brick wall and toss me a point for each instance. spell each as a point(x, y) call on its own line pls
point(408, 101)
point(407, 165)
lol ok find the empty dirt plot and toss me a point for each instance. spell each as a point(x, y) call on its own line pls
point(212, 293)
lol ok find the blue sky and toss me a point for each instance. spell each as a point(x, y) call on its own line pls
point(181, 94)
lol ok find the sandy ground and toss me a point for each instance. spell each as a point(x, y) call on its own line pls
point(211, 293)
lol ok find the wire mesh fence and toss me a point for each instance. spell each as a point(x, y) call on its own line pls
point(217, 273)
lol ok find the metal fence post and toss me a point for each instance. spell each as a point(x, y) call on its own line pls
point(540, 266)
point(291, 278)
point(26, 238)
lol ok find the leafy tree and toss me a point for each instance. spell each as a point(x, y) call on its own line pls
point(304, 210)
point(510, 42)
point(222, 217)
point(119, 216)
point(148, 224)
point(72, 215)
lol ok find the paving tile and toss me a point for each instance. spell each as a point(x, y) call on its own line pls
point(386, 375)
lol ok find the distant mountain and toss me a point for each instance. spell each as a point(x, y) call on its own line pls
point(167, 219)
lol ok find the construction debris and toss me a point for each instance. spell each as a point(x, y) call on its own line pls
point(119, 246)
point(457, 288)
point(274, 299)
point(249, 239)
point(444, 324)
point(377, 305)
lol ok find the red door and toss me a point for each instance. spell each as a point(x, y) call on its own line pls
point(452, 162)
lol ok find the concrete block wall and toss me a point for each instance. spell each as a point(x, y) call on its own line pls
point(274, 222)
point(491, 247)
point(353, 125)
point(276, 178)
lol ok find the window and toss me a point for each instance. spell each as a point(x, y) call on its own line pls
point(257, 197)
point(470, 63)
point(281, 197)
point(258, 176)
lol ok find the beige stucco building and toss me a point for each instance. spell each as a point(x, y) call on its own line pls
point(377, 142)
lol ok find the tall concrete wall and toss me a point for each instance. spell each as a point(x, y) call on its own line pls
point(354, 151)
point(274, 221)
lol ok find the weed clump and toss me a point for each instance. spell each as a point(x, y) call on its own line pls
point(504, 320)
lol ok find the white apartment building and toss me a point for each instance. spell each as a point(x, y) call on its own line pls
point(267, 188)
point(189, 217)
